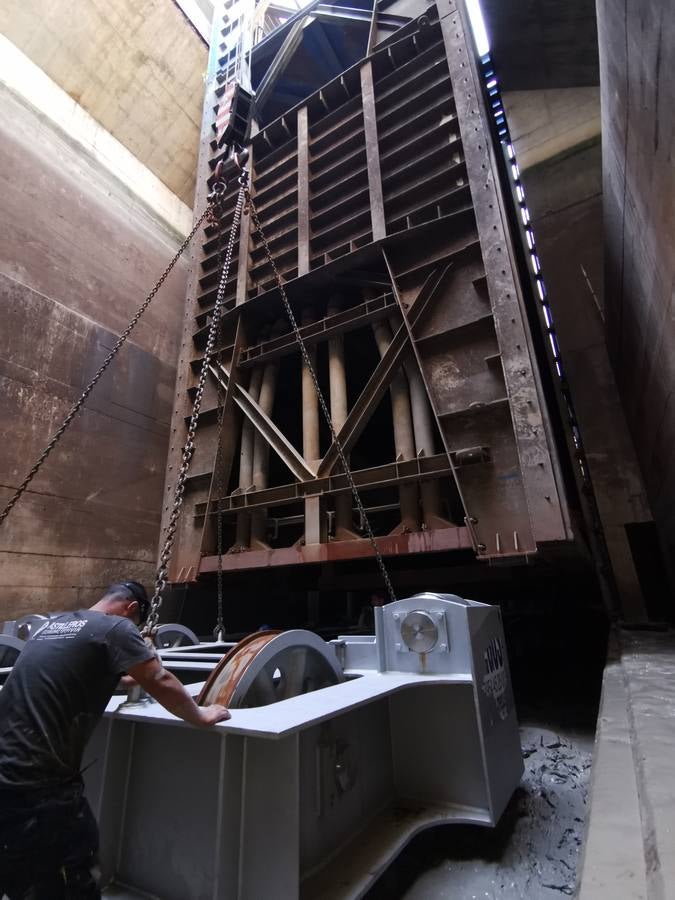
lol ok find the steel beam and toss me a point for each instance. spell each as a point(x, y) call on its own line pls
point(265, 427)
point(243, 532)
point(224, 452)
point(261, 452)
point(281, 59)
point(404, 439)
point(372, 153)
point(303, 192)
point(325, 329)
point(367, 402)
point(536, 454)
point(390, 475)
point(339, 411)
point(438, 541)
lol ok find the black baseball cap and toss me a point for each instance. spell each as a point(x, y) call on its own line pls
point(135, 590)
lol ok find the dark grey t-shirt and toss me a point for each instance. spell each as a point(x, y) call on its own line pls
point(58, 690)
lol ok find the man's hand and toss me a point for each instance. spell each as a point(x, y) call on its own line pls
point(211, 715)
point(165, 688)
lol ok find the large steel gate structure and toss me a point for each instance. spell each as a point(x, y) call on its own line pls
point(381, 200)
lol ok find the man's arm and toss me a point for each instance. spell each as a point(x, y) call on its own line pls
point(167, 690)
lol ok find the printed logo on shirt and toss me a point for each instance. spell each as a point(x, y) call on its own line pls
point(60, 630)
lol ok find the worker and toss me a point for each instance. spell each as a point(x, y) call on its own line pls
point(367, 614)
point(56, 693)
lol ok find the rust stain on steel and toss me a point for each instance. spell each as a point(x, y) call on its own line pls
point(223, 681)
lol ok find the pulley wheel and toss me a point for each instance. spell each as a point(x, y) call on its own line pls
point(10, 647)
point(174, 635)
point(269, 666)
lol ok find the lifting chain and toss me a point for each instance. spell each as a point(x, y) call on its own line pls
point(56, 437)
point(214, 212)
point(250, 206)
point(219, 630)
point(188, 449)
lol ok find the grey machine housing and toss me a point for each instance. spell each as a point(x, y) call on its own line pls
point(315, 795)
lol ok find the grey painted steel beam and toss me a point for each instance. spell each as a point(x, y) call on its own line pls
point(303, 192)
point(372, 153)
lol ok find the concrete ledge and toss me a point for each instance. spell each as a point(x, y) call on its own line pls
point(23, 77)
point(629, 845)
point(613, 866)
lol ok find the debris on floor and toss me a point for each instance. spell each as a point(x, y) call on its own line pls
point(533, 854)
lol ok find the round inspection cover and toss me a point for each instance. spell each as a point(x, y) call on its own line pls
point(419, 631)
point(174, 635)
point(270, 666)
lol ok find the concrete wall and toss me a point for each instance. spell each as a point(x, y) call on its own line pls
point(78, 253)
point(558, 131)
point(546, 123)
point(136, 67)
point(637, 57)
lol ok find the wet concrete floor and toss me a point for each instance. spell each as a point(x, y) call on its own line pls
point(535, 850)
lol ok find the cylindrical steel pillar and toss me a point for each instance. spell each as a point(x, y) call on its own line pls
point(261, 450)
point(404, 439)
point(243, 534)
point(423, 429)
point(310, 401)
point(338, 413)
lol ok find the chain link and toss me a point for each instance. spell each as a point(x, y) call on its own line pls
point(56, 437)
point(219, 630)
point(324, 408)
point(188, 449)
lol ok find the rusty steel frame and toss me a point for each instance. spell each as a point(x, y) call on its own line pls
point(399, 472)
point(387, 169)
point(438, 540)
point(264, 425)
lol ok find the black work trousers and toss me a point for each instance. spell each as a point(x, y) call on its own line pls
point(48, 845)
